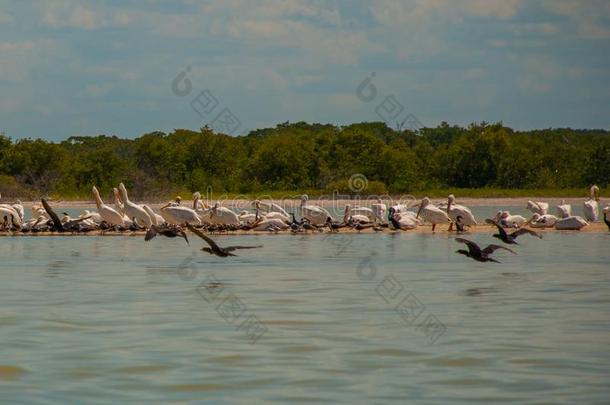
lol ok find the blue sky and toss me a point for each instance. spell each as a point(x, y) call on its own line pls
point(106, 67)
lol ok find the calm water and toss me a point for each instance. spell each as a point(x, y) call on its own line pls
point(305, 319)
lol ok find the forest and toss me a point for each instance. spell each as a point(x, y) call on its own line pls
point(313, 158)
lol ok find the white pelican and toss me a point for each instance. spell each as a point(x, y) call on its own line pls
point(268, 207)
point(564, 210)
point(456, 210)
point(109, 215)
point(402, 209)
point(573, 223)
point(507, 220)
point(315, 214)
point(248, 218)
point(178, 215)
point(542, 221)
point(120, 207)
point(270, 224)
point(198, 205)
point(19, 208)
point(356, 216)
point(201, 209)
point(536, 207)
point(590, 206)
point(11, 209)
point(11, 216)
point(38, 211)
point(91, 219)
point(271, 210)
point(379, 209)
point(402, 220)
point(134, 210)
point(154, 217)
point(34, 223)
point(364, 211)
point(223, 216)
point(431, 213)
point(92, 215)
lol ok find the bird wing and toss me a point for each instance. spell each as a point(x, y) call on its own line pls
point(150, 234)
point(523, 231)
point(500, 229)
point(183, 234)
point(203, 236)
point(52, 214)
point(473, 247)
point(492, 248)
point(232, 248)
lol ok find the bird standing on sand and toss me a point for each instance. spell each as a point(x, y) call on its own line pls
point(511, 238)
point(478, 254)
point(538, 207)
point(108, 214)
point(214, 249)
point(591, 206)
point(431, 213)
point(459, 225)
point(564, 210)
point(455, 211)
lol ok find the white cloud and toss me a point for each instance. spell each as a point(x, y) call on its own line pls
point(397, 12)
point(274, 23)
point(67, 13)
point(5, 18)
point(591, 17)
point(540, 74)
point(97, 90)
point(19, 58)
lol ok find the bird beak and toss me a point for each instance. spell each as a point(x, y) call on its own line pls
point(419, 210)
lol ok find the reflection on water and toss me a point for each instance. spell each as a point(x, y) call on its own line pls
point(115, 319)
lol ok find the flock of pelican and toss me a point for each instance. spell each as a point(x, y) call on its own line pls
point(172, 218)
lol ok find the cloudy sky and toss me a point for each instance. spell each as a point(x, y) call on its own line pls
point(107, 67)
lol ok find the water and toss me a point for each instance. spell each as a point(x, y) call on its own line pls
point(114, 319)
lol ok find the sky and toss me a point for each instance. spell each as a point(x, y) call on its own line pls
point(126, 67)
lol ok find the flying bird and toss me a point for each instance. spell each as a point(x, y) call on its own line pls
point(478, 254)
point(169, 231)
point(511, 238)
point(214, 249)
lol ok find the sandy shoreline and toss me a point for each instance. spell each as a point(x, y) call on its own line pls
point(596, 227)
point(340, 203)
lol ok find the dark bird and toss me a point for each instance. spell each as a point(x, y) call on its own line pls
point(214, 249)
point(606, 220)
point(459, 226)
point(308, 226)
point(360, 227)
point(57, 225)
point(478, 254)
point(511, 238)
point(295, 225)
point(334, 226)
point(169, 231)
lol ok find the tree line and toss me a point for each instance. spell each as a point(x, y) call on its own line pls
point(307, 157)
